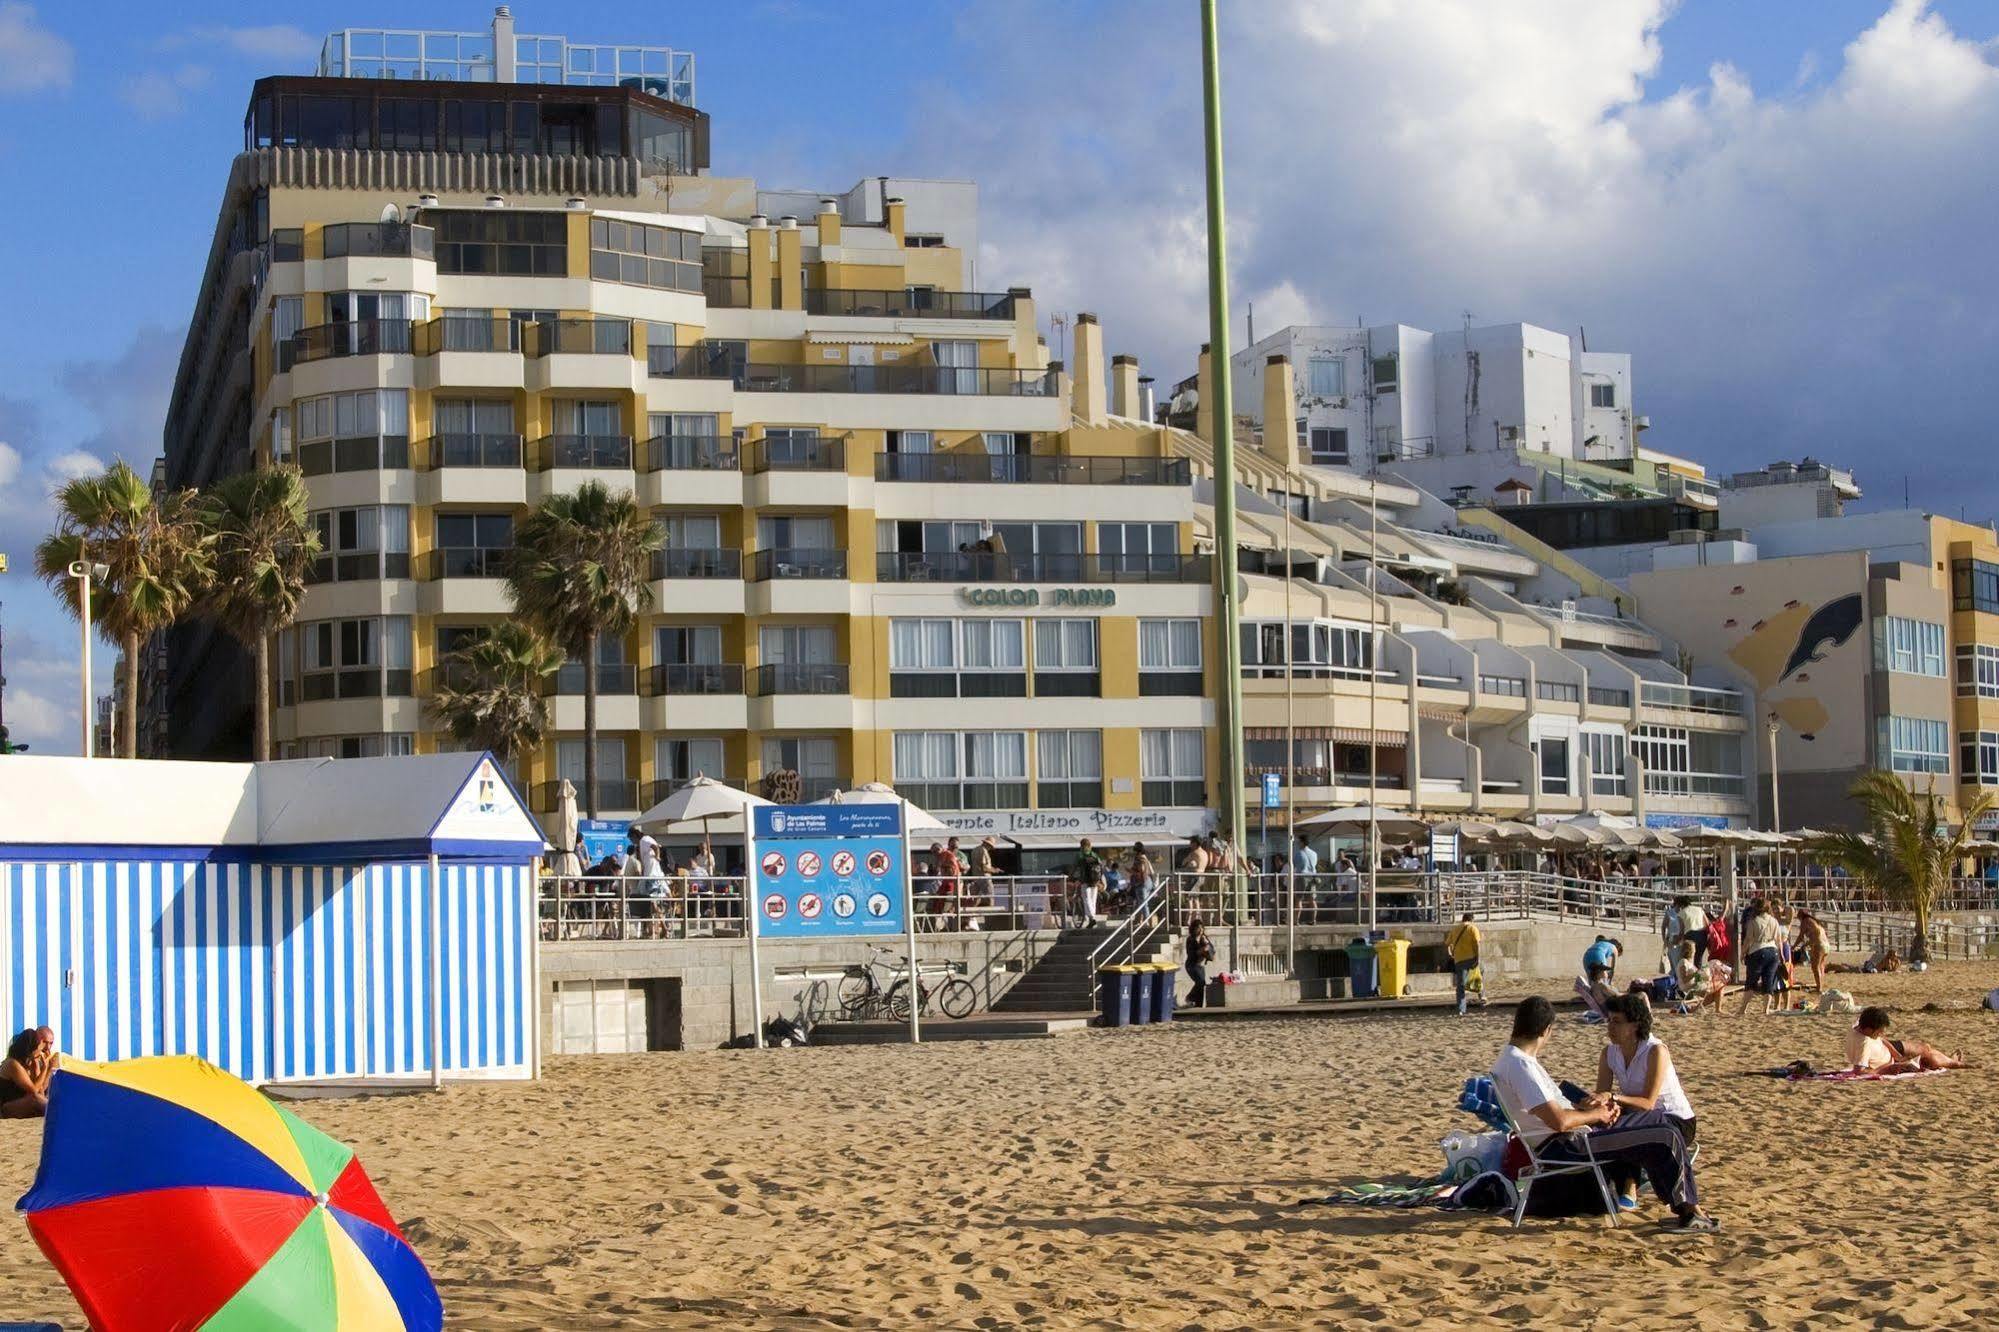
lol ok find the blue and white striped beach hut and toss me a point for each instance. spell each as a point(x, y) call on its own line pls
point(303, 920)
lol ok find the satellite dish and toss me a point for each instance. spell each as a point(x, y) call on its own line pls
point(391, 213)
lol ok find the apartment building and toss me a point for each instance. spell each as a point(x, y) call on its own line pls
point(900, 545)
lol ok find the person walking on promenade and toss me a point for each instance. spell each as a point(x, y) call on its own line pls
point(1462, 944)
point(1090, 874)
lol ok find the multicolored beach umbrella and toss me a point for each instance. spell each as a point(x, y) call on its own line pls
point(172, 1195)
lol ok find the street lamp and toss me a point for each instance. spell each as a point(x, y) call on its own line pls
point(1770, 726)
point(83, 571)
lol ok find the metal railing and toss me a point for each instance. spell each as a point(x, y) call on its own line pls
point(468, 333)
point(596, 452)
point(684, 677)
point(612, 793)
point(577, 337)
point(378, 240)
point(921, 379)
point(799, 678)
point(589, 909)
point(1028, 469)
point(910, 303)
point(691, 453)
point(350, 566)
point(359, 453)
point(1609, 698)
point(724, 562)
point(466, 562)
point(613, 677)
point(355, 337)
point(441, 451)
point(799, 453)
point(1691, 698)
point(977, 566)
point(800, 562)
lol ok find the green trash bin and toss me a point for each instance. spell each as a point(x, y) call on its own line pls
point(1362, 970)
point(1392, 969)
point(1143, 978)
point(1114, 997)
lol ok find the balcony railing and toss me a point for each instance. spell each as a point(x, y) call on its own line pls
point(726, 293)
point(468, 333)
point(1692, 783)
point(466, 562)
point(974, 566)
point(601, 452)
point(1506, 686)
point(659, 790)
point(1303, 775)
point(287, 245)
point(379, 240)
point(691, 453)
point(695, 678)
point(799, 678)
point(799, 453)
point(1609, 698)
point(800, 563)
point(1020, 469)
point(1692, 698)
point(612, 793)
point(578, 337)
point(440, 451)
point(363, 453)
point(912, 303)
point(354, 682)
point(356, 337)
point(926, 379)
point(613, 677)
point(351, 566)
point(721, 563)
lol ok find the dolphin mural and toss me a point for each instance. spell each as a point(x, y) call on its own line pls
point(1829, 626)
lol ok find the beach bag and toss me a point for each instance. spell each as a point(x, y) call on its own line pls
point(1717, 937)
point(1487, 1192)
point(1992, 1001)
point(1468, 1154)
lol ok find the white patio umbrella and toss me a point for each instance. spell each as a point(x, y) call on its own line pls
point(1355, 818)
point(1513, 831)
point(563, 862)
point(1570, 835)
point(702, 800)
point(1606, 829)
point(1470, 830)
point(917, 821)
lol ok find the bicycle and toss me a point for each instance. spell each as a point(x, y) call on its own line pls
point(862, 990)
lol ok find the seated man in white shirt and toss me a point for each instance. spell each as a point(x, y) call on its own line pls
point(1551, 1124)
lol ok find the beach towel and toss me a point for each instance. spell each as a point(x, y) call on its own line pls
point(1435, 1193)
point(1800, 1071)
point(1481, 1099)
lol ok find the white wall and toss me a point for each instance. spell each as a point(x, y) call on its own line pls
point(1610, 426)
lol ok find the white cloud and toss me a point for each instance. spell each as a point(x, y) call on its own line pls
point(274, 43)
point(1802, 270)
point(75, 463)
point(158, 93)
point(32, 59)
point(10, 465)
point(45, 725)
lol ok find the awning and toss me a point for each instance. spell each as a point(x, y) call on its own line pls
point(827, 339)
point(1344, 735)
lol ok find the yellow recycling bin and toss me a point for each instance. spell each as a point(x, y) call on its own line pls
point(1392, 964)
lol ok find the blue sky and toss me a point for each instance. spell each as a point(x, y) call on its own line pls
point(1794, 249)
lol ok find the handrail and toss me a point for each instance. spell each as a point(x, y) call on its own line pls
point(1126, 938)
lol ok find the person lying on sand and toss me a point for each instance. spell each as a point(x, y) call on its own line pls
point(1869, 1050)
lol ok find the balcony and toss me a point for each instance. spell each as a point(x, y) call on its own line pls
point(356, 337)
point(577, 337)
point(466, 562)
point(1723, 784)
point(612, 793)
point(357, 566)
point(363, 453)
point(666, 786)
point(977, 566)
point(379, 240)
point(1322, 778)
point(1609, 698)
point(911, 303)
point(618, 678)
point(440, 451)
point(1505, 686)
point(924, 379)
point(670, 563)
point(1015, 469)
point(725, 293)
point(799, 678)
point(585, 452)
point(799, 453)
point(1692, 698)
point(354, 682)
point(800, 563)
point(691, 453)
point(695, 678)
point(467, 333)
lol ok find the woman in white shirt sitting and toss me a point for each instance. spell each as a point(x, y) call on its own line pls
point(1637, 1072)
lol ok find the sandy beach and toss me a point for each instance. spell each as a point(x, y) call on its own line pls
point(1150, 1179)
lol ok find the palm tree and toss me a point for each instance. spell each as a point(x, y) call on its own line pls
point(264, 544)
point(1907, 851)
point(489, 695)
point(580, 570)
point(157, 556)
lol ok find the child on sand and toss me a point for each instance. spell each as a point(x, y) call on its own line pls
point(1869, 1050)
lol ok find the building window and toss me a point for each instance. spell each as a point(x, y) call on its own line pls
point(1065, 658)
point(1604, 752)
point(645, 256)
point(1911, 647)
point(501, 241)
point(473, 545)
point(352, 432)
point(1169, 658)
point(962, 770)
point(613, 791)
point(1326, 377)
point(287, 317)
point(1975, 586)
point(365, 658)
point(1913, 744)
point(679, 761)
point(281, 435)
point(1978, 757)
point(1689, 763)
point(395, 744)
point(369, 542)
point(1069, 769)
point(1319, 650)
point(1557, 691)
point(1138, 548)
point(1172, 768)
point(1977, 671)
point(1554, 751)
point(1603, 395)
point(923, 658)
point(1382, 368)
point(1329, 446)
point(812, 757)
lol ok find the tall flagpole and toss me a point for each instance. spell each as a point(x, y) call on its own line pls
point(1228, 610)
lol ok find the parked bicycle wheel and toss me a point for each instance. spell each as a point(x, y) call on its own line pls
point(856, 989)
point(897, 1002)
point(959, 998)
point(816, 1005)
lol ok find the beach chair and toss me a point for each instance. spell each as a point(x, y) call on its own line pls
point(1590, 1001)
point(1537, 1170)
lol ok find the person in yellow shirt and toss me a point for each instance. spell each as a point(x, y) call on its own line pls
point(1462, 944)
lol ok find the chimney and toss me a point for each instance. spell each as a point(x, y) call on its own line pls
point(760, 265)
point(504, 68)
point(1124, 387)
point(790, 265)
point(894, 210)
point(1088, 403)
point(1280, 403)
point(1204, 388)
point(829, 222)
point(1146, 409)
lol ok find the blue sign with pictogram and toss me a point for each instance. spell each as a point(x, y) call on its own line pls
point(828, 871)
point(1273, 790)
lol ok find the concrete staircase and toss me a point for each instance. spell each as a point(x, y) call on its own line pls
point(1061, 981)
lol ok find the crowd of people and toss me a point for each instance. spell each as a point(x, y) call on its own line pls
point(642, 890)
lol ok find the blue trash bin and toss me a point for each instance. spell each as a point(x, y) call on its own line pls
point(1114, 997)
point(1143, 979)
point(1363, 972)
point(1165, 984)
